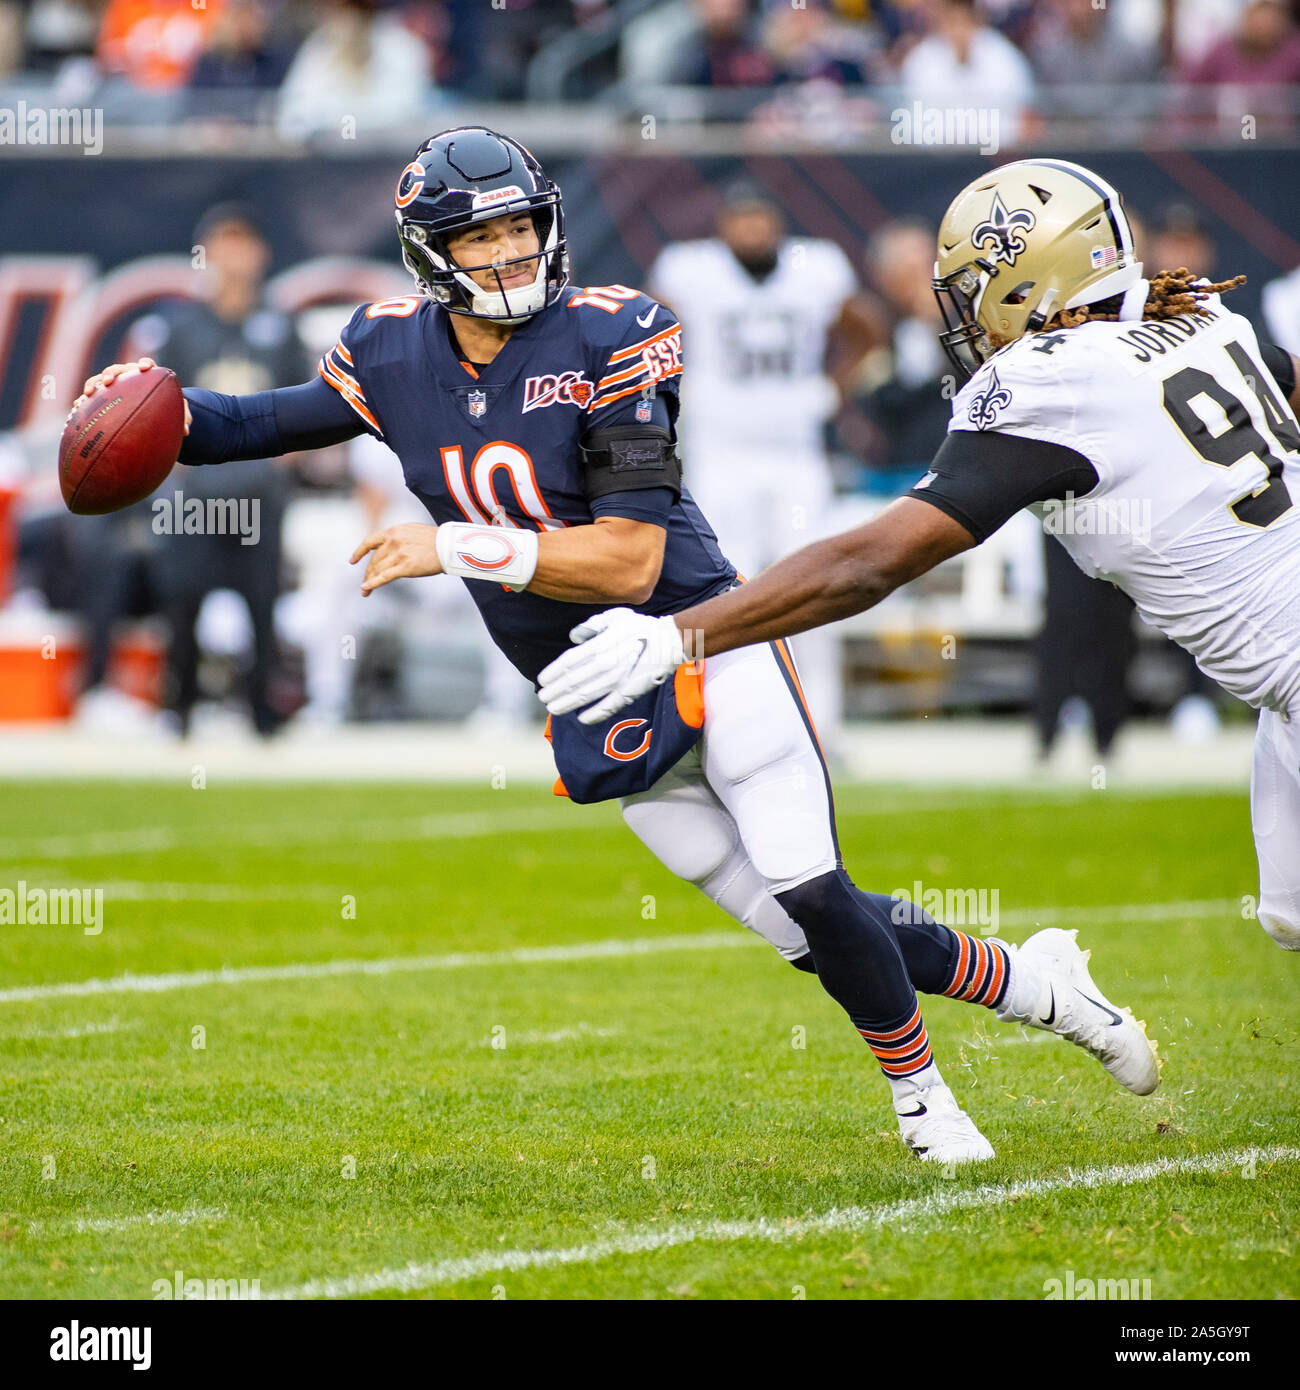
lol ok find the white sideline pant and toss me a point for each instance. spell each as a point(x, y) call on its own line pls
point(1275, 819)
point(748, 812)
point(761, 508)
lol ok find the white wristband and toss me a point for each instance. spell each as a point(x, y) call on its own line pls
point(502, 554)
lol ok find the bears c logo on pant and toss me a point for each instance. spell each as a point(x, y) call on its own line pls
point(611, 751)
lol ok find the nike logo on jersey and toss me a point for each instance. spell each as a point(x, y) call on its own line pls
point(1116, 1020)
point(912, 1114)
point(646, 319)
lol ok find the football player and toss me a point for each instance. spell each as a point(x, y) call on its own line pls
point(1140, 418)
point(536, 423)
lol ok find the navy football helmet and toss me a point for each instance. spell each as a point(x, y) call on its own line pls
point(468, 175)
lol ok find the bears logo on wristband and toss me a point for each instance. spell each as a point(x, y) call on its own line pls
point(496, 554)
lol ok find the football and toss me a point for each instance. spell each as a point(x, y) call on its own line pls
point(120, 443)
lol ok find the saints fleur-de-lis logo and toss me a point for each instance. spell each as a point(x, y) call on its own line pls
point(984, 408)
point(1004, 232)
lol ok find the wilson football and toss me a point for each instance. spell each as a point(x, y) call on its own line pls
point(120, 443)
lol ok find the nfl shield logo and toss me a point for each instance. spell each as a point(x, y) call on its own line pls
point(477, 403)
point(643, 411)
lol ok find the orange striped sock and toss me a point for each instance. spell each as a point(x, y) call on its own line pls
point(903, 1050)
point(981, 971)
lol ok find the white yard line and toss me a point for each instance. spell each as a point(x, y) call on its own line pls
point(1125, 912)
point(85, 1030)
point(529, 955)
point(141, 890)
point(100, 1224)
point(188, 1217)
point(312, 970)
point(645, 1239)
point(455, 825)
point(579, 1030)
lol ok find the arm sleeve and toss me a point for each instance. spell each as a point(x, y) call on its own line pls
point(1279, 361)
point(268, 423)
point(982, 479)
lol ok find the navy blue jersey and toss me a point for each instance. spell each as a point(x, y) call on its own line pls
point(501, 443)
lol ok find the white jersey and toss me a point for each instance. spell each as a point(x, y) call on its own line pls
point(754, 350)
point(1197, 513)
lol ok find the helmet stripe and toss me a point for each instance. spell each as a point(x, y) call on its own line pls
point(1110, 199)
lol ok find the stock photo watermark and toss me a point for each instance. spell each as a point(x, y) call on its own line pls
point(1107, 516)
point(22, 906)
point(956, 907)
point(45, 126)
point(918, 124)
point(179, 515)
point(78, 1343)
point(177, 1286)
point(1073, 1289)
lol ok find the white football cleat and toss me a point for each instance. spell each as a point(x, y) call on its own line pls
point(938, 1130)
point(1069, 1003)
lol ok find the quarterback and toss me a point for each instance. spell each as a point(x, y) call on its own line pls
point(1095, 396)
point(536, 422)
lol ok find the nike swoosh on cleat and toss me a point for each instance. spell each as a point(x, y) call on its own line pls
point(1051, 1013)
point(646, 319)
point(911, 1114)
point(1117, 1020)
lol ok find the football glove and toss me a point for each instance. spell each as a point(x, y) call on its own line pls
point(619, 655)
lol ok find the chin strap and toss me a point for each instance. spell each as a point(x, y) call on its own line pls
point(1134, 302)
point(510, 306)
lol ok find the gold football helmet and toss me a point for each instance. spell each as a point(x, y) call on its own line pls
point(1022, 243)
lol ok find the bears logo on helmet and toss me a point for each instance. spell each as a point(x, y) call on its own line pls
point(409, 184)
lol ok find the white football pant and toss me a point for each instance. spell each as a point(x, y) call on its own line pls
point(748, 812)
point(1275, 819)
point(762, 507)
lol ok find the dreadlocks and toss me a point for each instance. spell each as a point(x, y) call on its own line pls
point(1171, 293)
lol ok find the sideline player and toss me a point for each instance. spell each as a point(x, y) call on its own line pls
point(536, 422)
point(1140, 415)
point(759, 309)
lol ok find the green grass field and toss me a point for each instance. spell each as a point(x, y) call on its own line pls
point(648, 1129)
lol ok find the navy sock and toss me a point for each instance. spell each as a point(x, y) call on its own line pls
point(860, 965)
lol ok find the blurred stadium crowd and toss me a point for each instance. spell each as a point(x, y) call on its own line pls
point(302, 68)
point(815, 373)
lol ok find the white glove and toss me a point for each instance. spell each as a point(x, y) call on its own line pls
point(620, 655)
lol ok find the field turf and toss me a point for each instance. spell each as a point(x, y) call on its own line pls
point(452, 1104)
